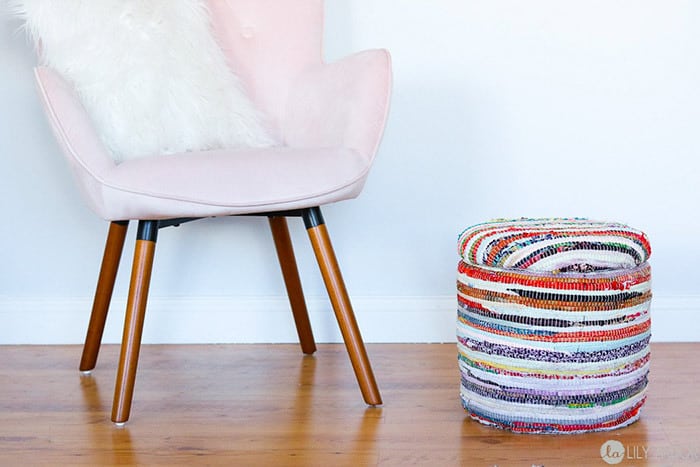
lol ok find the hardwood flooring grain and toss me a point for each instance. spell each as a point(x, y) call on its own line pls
point(265, 405)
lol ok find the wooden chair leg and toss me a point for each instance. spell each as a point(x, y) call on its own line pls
point(103, 294)
point(290, 272)
point(320, 241)
point(133, 322)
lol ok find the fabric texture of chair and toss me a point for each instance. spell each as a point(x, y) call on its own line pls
point(329, 119)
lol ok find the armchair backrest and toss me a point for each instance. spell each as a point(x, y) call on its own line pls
point(268, 43)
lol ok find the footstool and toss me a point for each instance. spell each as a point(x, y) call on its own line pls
point(553, 324)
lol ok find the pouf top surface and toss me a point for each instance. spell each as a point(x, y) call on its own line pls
point(554, 245)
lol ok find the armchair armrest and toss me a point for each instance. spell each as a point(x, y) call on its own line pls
point(71, 124)
point(342, 104)
point(88, 158)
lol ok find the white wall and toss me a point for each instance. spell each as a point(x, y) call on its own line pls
point(500, 109)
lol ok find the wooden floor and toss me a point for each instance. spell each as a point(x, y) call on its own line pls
point(269, 405)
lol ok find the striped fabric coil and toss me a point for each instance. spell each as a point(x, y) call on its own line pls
point(553, 324)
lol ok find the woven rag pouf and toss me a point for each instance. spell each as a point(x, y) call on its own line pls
point(553, 324)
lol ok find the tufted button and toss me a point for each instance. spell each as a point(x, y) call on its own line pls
point(247, 32)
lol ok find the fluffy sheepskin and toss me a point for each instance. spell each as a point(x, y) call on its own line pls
point(149, 73)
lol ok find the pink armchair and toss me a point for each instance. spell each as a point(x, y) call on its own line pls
point(329, 118)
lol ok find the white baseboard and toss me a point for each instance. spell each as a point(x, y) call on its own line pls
point(268, 320)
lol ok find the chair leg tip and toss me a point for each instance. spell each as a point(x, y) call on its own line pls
point(309, 350)
point(375, 401)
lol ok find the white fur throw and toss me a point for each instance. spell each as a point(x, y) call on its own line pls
point(149, 73)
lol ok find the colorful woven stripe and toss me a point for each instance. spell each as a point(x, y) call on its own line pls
point(554, 245)
point(560, 350)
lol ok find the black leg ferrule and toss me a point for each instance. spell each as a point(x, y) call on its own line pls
point(147, 230)
point(312, 217)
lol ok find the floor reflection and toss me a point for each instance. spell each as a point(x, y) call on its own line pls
point(358, 442)
point(484, 445)
point(100, 428)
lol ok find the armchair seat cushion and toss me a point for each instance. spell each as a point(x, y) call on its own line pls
point(224, 182)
